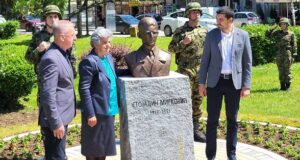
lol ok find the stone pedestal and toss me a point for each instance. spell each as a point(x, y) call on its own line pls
point(156, 118)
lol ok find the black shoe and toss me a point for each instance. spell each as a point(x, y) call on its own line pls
point(282, 86)
point(211, 158)
point(231, 158)
point(199, 137)
point(287, 86)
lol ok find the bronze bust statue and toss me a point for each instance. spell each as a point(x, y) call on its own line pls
point(148, 60)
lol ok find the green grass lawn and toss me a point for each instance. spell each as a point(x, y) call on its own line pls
point(266, 102)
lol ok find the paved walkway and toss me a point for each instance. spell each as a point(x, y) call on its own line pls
point(244, 152)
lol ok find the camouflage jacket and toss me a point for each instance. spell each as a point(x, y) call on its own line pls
point(284, 40)
point(188, 56)
point(33, 56)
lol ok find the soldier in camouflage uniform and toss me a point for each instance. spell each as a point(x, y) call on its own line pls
point(286, 45)
point(41, 40)
point(187, 44)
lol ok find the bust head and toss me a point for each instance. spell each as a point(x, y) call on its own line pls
point(148, 60)
point(148, 32)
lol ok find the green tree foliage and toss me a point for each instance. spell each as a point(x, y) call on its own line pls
point(35, 7)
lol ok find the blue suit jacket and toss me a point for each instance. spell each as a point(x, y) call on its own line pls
point(94, 85)
point(211, 61)
point(57, 96)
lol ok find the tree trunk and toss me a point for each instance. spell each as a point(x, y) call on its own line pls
point(69, 9)
point(86, 18)
point(79, 24)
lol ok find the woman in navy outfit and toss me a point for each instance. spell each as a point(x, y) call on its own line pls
point(98, 93)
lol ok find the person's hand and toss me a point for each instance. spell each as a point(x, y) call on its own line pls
point(245, 92)
point(43, 46)
point(187, 40)
point(202, 90)
point(92, 121)
point(59, 132)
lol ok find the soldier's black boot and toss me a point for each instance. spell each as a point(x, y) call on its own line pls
point(282, 86)
point(198, 136)
point(287, 86)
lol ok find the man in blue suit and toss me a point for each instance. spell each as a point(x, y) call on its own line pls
point(57, 96)
point(226, 67)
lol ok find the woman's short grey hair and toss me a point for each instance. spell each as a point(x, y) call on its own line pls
point(99, 33)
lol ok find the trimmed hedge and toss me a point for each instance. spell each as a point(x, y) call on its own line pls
point(17, 77)
point(8, 29)
point(263, 49)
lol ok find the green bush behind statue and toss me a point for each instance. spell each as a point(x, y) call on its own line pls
point(263, 48)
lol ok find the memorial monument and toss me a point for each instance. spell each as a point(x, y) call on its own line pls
point(155, 104)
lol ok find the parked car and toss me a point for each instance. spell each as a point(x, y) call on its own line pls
point(2, 19)
point(245, 18)
point(124, 22)
point(177, 19)
point(157, 17)
point(29, 23)
point(83, 19)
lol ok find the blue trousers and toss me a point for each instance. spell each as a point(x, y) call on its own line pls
point(226, 89)
point(54, 148)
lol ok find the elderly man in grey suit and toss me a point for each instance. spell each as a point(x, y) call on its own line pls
point(226, 67)
point(57, 96)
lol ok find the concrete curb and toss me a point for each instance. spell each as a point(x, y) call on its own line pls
point(244, 152)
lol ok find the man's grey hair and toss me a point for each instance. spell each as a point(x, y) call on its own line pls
point(99, 33)
point(62, 27)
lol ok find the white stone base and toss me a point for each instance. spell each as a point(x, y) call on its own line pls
point(156, 118)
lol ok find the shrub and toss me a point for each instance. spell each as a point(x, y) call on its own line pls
point(263, 49)
point(8, 29)
point(17, 77)
point(118, 51)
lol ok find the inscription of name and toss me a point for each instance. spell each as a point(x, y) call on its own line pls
point(160, 102)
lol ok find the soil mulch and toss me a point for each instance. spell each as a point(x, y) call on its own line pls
point(19, 118)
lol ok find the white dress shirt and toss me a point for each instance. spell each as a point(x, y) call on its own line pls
point(226, 43)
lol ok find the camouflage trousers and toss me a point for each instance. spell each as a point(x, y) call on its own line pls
point(192, 73)
point(284, 62)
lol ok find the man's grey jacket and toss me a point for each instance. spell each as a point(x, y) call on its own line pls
point(211, 61)
point(57, 96)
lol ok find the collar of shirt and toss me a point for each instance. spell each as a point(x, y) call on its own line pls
point(149, 52)
point(186, 25)
point(227, 34)
point(64, 53)
point(104, 57)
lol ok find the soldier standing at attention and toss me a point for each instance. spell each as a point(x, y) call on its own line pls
point(41, 40)
point(286, 47)
point(187, 44)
